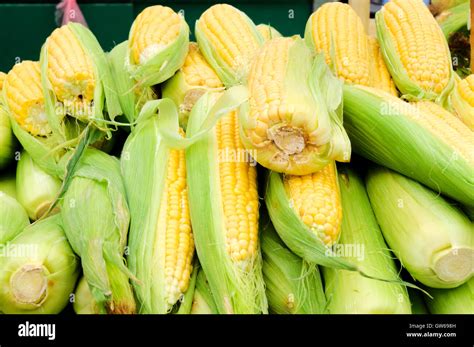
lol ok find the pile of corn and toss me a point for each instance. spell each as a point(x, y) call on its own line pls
point(234, 191)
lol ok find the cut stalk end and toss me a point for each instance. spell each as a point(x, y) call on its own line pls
point(454, 265)
point(29, 284)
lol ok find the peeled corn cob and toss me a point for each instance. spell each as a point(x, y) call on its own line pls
point(415, 50)
point(432, 238)
point(158, 44)
point(336, 30)
point(161, 244)
point(462, 100)
point(380, 77)
point(267, 32)
point(435, 149)
point(229, 40)
point(362, 243)
point(194, 78)
point(292, 124)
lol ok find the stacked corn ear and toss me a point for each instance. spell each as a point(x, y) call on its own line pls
point(131, 94)
point(452, 301)
point(415, 50)
point(8, 184)
point(462, 100)
point(268, 32)
point(36, 190)
point(96, 218)
point(293, 286)
point(229, 40)
point(84, 302)
point(157, 45)
point(362, 242)
point(161, 244)
point(336, 30)
point(13, 217)
point(76, 79)
point(194, 78)
point(203, 302)
point(40, 272)
point(7, 140)
point(432, 148)
point(380, 77)
point(223, 201)
point(431, 237)
point(292, 122)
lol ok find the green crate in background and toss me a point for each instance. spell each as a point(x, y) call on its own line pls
point(25, 26)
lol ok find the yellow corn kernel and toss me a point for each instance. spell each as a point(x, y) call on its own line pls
point(419, 43)
point(175, 238)
point(71, 72)
point(316, 199)
point(153, 29)
point(3, 75)
point(238, 183)
point(380, 77)
point(466, 89)
point(24, 98)
point(268, 32)
point(462, 100)
point(336, 30)
point(197, 72)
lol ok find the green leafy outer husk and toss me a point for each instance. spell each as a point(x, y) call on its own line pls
point(126, 85)
point(458, 300)
point(236, 288)
point(349, 292)
point(454, 19)
point(8, 184)
point(442, 5)
point(418, 305)
point(143, 160)
point(186, 302)
point(293, 286)
point(165, 63)
point(13, 218)
point(96, 220)
point(408, 88)
point(227, 74)
point(48, 260)
point(203, 302)
point(7, 140)
point(36, 190)
point(382, 133)
point(84, 302)
point(431, 237)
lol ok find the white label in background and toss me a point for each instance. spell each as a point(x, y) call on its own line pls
point(37, 330)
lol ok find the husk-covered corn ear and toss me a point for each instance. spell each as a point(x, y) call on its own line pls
point(13, 217)
point(84, 302)
point(452, 301)
point(462, 100)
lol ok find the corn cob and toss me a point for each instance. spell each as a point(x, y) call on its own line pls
point(224, 211)
point(161, 244)
point(432, 238)
point(194, 78)
point(362, 243)
point(415, 50)
point(452, 301)
point(380, 77)
point(158, 44)
point(24, 98)
point(267, 32)
point(293, 286)
point(3, 75)
point(346, 47)
point(290, 124)
point(13, 217)
point(462, 100)
point(436, 150)
point(229, 40)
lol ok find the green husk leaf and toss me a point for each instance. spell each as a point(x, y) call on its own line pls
point(203, 302)
point(13, 218)
point(458, 300)
point(186, 303)
point(454, 19)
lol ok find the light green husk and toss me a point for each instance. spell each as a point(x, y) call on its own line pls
point(165, 63)
point(84, 302)
point(187, 300)
point(349, 292)
point(381, 132)
point(13, 218)
point(229, 75)
point(8, 184)
point(293, 286)
point(431, 237)
point(96, 220)
point(458, 300)
point(408, 88)
point(144, 160)
point(7, 140)
point(131, 101)
point(35, 188)
point(203, 302)
point(42, 274)
point(454, 18)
